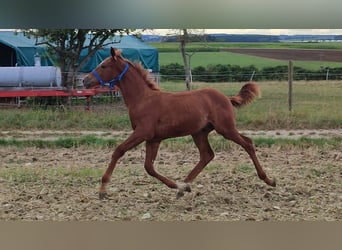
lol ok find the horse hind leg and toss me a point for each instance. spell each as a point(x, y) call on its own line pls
point(206, 155)
point(247, 144)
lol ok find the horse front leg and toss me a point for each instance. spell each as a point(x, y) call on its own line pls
point(132, 141)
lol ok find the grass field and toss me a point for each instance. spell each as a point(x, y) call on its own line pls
point(169, 53)
point(213, 58)
point(315, 105)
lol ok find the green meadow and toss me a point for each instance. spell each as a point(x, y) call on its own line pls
point(316, 104)
point(209, 54)
point(213, 58)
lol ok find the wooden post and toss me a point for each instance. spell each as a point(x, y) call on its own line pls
point(290, 78)
point(251, 79)
point(88, 100)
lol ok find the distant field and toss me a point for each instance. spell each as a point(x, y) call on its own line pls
point(218, 45)
point(212, 58)
point(169, 53)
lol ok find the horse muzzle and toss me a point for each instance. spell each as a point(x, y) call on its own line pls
point(88, 82)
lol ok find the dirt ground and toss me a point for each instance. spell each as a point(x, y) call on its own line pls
point(62, 184)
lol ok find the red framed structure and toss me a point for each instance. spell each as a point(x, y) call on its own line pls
point(34, 92)
point(52, 92)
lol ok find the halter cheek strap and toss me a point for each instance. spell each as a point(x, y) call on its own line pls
point(112, 82)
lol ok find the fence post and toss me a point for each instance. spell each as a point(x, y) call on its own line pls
point(290, 78)
point(251, 79)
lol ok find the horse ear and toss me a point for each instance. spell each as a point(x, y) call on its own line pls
point(113, 52)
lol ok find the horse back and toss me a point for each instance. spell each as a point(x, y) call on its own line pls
point(180, 114)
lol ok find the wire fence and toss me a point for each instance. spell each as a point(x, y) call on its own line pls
point(252, 76)
point(323, 77)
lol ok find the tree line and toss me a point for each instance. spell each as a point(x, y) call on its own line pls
point(236, 73)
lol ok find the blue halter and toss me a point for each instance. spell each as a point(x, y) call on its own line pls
point(111, 82)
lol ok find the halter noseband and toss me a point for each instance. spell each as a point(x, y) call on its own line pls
point(111, 82)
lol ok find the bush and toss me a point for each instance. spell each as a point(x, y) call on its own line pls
point(235, 73)
point(172, 72)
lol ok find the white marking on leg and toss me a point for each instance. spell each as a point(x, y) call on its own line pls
point(182, 186)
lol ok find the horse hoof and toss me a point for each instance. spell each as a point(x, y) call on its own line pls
point(183, 187)
point(271, 183)
point(103, 196)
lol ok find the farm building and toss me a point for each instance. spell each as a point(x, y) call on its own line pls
point(19, 50)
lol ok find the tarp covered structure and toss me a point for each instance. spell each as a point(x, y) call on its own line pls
point(132, 49)
point(19, 50)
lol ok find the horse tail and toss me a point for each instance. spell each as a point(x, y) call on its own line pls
point(246, 95)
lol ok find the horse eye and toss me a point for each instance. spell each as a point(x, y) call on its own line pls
point(103, 66)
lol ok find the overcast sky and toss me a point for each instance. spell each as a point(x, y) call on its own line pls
point(259, 31)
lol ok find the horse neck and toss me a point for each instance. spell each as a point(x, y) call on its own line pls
point(133, 88)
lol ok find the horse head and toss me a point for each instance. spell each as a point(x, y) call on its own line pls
point(108, 72)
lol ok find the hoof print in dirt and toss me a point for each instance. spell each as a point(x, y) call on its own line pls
point(103, 196)
point(179, 194)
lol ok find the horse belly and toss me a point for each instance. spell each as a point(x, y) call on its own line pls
point(180, 124)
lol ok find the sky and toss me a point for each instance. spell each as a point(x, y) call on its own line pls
point(258, 31)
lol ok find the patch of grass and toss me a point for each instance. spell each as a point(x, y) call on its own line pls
point(213, 167)
point(217, 142)
point(67, 142)
point(316, 173)
point(244, 168)
point(22, 175)
point(60, 120)
point(61, 175)
point(301, 142)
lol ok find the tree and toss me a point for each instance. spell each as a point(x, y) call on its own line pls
point(183, 40)
point(185, 37)
point(66, 46)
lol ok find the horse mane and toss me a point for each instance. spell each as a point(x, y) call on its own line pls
point(145, 74)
